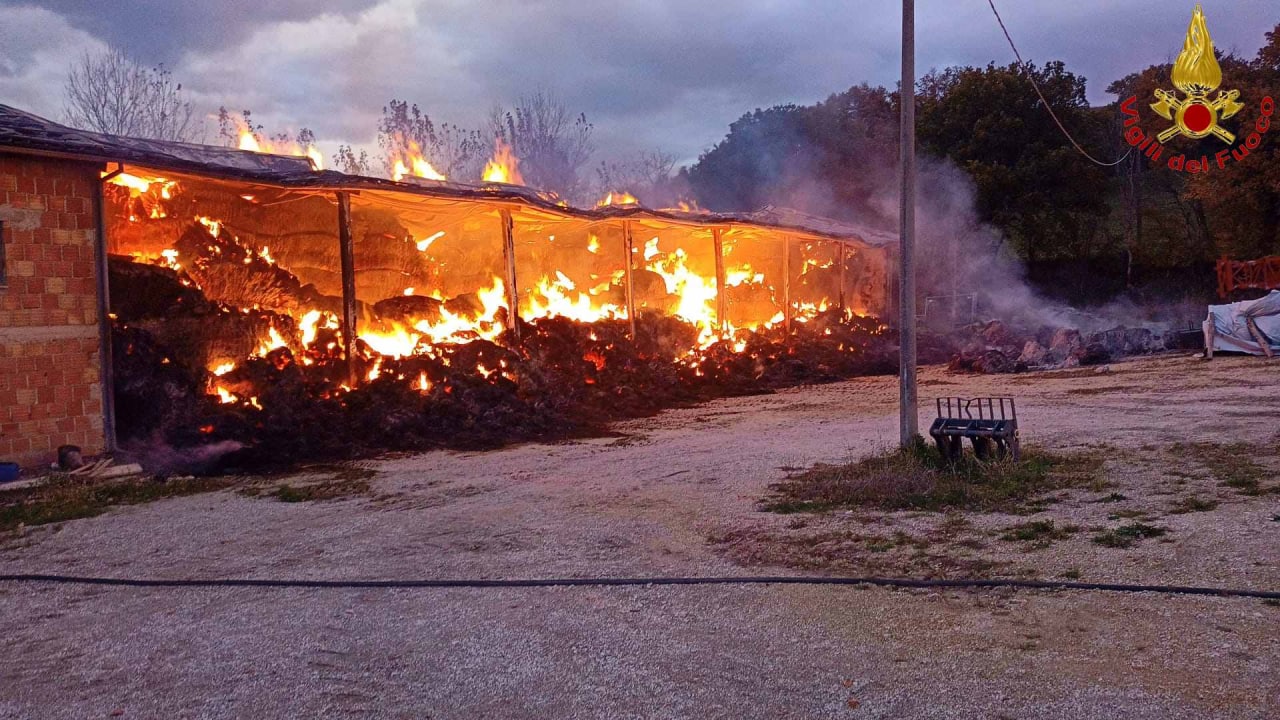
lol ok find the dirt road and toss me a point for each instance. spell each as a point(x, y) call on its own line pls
point(657, 500)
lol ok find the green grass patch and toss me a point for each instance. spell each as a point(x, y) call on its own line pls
point(73, 498)
point(1193, 504)
point(1040, 532)
point(1233, 465)
point(344, 483)
point(1128, 535)
point(917, 478)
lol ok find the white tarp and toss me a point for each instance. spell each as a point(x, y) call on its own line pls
point(1230, 324)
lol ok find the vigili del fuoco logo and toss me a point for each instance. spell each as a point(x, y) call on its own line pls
point(1196, 75)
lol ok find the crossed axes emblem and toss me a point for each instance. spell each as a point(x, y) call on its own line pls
point(1197, 116)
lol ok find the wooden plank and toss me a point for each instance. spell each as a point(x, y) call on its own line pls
point(509, 259)
point(1260, 338)
point(842, 259)
point(104, 313)
point(786, 283)
point(347, 256)
point(722, 314)
point(628, 251)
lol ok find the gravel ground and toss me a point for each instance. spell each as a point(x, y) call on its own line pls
point(646, 503)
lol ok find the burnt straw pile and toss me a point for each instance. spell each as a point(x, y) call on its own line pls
point(996, 347)
point(295, 403)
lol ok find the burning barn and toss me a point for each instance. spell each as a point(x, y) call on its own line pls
point(197, 291)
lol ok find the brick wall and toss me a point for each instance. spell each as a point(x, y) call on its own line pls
point(50, 386)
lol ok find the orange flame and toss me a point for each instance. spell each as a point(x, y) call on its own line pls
point(504, 167)
point(251, 142)
point(617, 199)
point(412, 161)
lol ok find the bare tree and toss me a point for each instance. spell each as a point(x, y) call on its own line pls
point(240, 131)
point(346, 160)
point(647, 175)
point(111, 93)
point(551, 143)
point(403, 128)
point(459, 152)
point(231, 127)
point(405, 131)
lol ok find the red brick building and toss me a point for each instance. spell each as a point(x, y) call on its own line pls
point(51, 350)
point(55, 365)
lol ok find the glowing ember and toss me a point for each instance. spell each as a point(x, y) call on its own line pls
point(311, 322)
point(171, 259)
point(215, 227)
point(275, 340)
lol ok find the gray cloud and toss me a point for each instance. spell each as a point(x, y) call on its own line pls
point(648, 74)
point(162, 31)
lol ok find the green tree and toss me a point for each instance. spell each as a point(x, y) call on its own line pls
point(1030, 182)
point(835, 158)
point(1162, 226)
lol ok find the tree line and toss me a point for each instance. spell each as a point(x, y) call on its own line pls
point(1048, 202)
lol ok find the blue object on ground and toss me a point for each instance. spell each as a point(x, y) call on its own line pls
point(8, 472)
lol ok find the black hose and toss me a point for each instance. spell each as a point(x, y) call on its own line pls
point(610, 582)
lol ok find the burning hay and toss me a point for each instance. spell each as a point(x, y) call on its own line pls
point(231, 328)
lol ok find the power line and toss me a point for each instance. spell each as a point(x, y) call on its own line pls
point(1031, 76)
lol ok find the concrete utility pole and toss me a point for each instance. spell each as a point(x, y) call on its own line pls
point(907, 230)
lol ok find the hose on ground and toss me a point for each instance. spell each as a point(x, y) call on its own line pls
point(642, 581)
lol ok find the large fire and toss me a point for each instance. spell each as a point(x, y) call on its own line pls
point(427, 290)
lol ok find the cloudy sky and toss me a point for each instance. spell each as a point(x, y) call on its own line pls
point(652, 74)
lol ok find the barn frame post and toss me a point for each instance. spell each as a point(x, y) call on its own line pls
point(628, 249)
point(509, 262)
point(722, 314)
point(842, 260)
point(347, 259)
point(103, 271)
point(786, 283)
